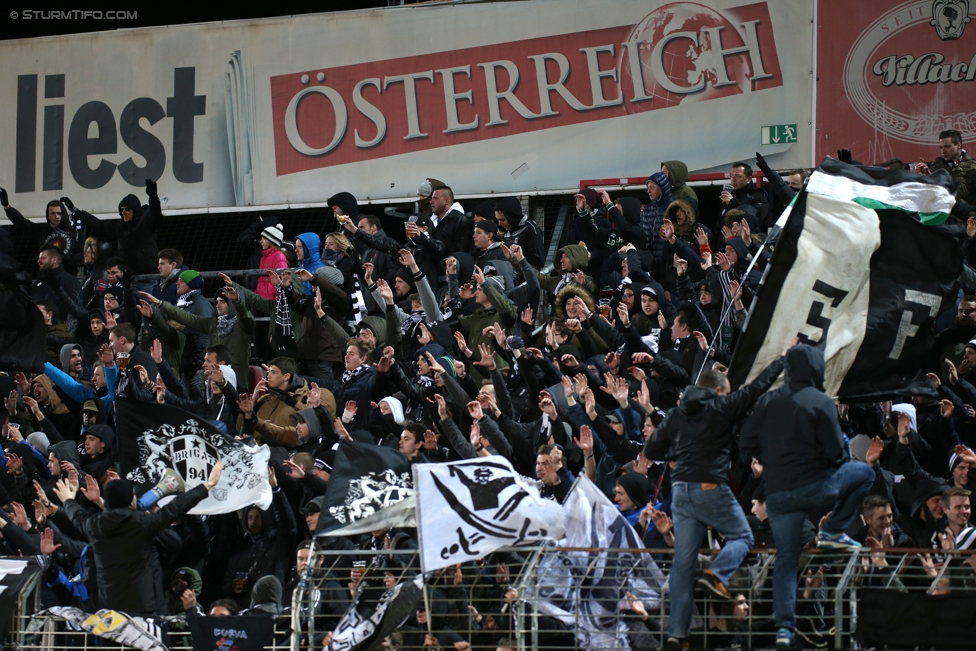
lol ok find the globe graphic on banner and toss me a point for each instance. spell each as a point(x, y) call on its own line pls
point(689, 60)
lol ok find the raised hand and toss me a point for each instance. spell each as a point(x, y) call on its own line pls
point(10, 402)
point(874, 451)
point(407, 260)
point(146, 296)
point(589, 403)
point(91, 490)
point(947, 408)
point(226, 280)
point(953, 372)
point(349, 411)
point(585, 440)
point(623, 313)
point(386, 292)
point(430, 440)
point(701, 236)
point(273, 277)
point(156, 352)
point(516, 252)
point(459, 368)
point(451, 266)
point(478, 276)
point(462, 344)
point(233, 294)
point(667, 231)
point(569, 361)
point(723, 261)
point(475, 411)
point(293, 470)
point(644, 398)
point(245, 402)
point(527, 317)
point(546, 404)
point(47, 542)
point(441, 406)
point(435, 366)
point(568, 388)
point(368, 272)
point(700, 338)
point(145, 309)
point(487, 357)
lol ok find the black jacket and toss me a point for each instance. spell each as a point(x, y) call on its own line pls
point(697, 434)
point(452, 234)
point(69, 236)
point(136, 238)
point(122, 541)
point(755, 197)
point(794, 431)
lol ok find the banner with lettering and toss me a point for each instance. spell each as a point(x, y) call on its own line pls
point(502, 97)
point(891, 76)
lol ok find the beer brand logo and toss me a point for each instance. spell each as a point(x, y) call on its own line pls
point(899, 49)
point(949, 17)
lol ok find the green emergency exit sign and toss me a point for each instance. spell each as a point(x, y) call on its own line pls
point(778, 134)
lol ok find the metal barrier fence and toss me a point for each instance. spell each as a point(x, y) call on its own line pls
point(559, 598)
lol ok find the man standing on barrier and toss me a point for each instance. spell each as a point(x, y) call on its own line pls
point(697, 436)
point(795, 433)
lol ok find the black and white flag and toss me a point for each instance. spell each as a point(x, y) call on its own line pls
point(587, 590)
point(136, 632)
point(154, 437)
point(473, 507)
point(861, 270)
point(15, 573)
point(371, 488)
point(359, 631)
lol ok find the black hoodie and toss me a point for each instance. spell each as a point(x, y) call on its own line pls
point(795, 431)
point(136, 237)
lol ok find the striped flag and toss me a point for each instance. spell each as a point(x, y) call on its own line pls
point(863, 267)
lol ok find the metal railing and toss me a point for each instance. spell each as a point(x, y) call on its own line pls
point(530, 598)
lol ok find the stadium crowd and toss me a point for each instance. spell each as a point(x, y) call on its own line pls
point(458, 343)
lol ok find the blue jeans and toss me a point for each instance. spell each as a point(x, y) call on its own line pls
point(844, 490)
point(695, 509)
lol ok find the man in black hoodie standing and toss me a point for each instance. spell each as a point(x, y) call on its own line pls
point(697, 437)
point(795, 433)
point(135, 234)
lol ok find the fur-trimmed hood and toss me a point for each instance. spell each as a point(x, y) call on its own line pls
point(568, 291)
point(688, 227)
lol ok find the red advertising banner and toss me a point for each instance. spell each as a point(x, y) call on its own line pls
point(684, 52)
point(890, 77)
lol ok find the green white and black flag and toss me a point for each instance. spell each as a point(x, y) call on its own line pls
point(863, 267)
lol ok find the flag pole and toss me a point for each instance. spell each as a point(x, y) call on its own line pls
point(773, 233)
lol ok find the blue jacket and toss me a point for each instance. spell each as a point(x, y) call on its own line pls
point(311, 257)
point(79, 392)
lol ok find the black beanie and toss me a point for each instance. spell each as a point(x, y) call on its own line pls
point(118, 494)
point(636, 487)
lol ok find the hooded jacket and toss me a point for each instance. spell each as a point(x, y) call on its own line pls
point(697, 434)
point(311, 257)
point(678, 175)
point(122, 540)
point(68, 236)
point(794, 431)
point(579, 258)
point(652, 218)
point(347, 202)
point(136, 238)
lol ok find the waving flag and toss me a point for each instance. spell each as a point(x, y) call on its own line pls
point(473, 507)
point(863, 267)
